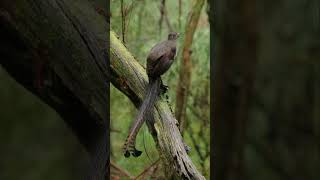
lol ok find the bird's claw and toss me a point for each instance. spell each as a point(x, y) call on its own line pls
point(164, 88)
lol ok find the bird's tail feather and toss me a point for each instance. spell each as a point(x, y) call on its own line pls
point(144, 111)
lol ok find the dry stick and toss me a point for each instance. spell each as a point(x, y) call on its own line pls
point(129, 8)
point(115, 130)
point(126, 13)
point(180, 11)
point(123, 22)
point(122, 171)
point(164, 15)
point(201, 135)
point(162, 5)
point(185, 72)
point(167, 20)
point(195, 143)
point(153, 173)
point(146, 170)
point(140, 15)
point(191, 108)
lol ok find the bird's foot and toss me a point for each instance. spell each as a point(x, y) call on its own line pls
point(187, 148)
point(164, 88)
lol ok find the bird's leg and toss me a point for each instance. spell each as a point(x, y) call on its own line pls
point(187, 148)
point(164, 88)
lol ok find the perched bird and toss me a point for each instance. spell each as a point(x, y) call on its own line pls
point(159, 60)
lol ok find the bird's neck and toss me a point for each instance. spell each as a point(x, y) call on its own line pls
point(172, 41)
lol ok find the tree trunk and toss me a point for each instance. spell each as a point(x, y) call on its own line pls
point(266, 89)
point(234, 68)
point(186, 64)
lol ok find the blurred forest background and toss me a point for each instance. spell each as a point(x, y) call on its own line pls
point(266, 118)
point(140, 25)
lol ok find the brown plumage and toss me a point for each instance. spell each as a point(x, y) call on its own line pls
point(159, 60)
point(161, 56)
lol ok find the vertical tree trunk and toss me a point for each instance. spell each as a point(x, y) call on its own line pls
point(234, 68)
point(186, 65)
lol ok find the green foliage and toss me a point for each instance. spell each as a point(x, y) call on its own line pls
point(142, 32)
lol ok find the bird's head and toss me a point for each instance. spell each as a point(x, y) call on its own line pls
point(173, 36)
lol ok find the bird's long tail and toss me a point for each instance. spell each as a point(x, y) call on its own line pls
point(144, 111)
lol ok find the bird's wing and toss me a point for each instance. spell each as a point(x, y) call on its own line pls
point(151, 64)
point(158, 50)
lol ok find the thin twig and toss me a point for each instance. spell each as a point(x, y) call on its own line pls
point(191, 108)
point(195, 143)
point(162, 7)
point(122, 171)
point(180, 11)
point(123, 21)
point(164, 15)
point(146, 170)
point(167, 20)
point(115, 130)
